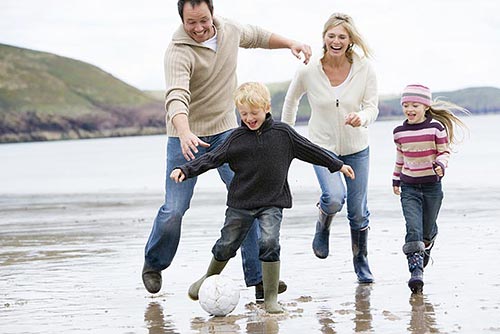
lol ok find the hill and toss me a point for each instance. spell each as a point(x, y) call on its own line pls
point(478, 100)
point(45, 97)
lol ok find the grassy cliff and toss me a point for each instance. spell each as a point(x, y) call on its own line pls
point(44, 96)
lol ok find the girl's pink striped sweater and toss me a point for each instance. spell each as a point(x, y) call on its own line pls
point(419, 147)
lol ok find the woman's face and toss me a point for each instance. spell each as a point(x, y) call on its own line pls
point(336, 41)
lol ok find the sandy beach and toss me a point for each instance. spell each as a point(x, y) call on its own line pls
point(72, 264)
point(75, 216)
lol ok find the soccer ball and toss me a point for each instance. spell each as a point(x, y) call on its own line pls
point(218, 295)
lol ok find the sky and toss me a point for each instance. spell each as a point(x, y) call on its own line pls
point(444, 44)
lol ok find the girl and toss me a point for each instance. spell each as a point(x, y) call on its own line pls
point(423, 149)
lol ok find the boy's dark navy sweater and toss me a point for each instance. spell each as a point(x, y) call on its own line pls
point(260, 160)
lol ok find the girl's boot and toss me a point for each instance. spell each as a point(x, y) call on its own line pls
point(214, 268)
point(270, 279)
point(322, 235)
point(427, 253)
point(414, 251)
point(359, 240)
point(416, 267)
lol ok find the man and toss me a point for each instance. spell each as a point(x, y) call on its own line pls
point(200, 73)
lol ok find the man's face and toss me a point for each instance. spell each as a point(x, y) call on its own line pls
point(198, 22)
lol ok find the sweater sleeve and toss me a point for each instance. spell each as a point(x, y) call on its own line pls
point(292, 99)
point(177, 67)
point(369, 104)
point(207, 161)
point(251, 36)
point(307, 151)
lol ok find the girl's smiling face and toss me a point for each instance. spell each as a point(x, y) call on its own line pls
point(414, 112)
point(253, 117)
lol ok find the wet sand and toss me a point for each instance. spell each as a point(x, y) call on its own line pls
point(72, 264)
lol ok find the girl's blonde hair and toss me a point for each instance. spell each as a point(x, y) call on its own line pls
point(253, 94)
point(347, 22)
point(443, 111)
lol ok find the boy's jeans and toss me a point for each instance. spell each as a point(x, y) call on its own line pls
point(165, 234)
point(421, 204)
point(237, 224)
point(334, 192)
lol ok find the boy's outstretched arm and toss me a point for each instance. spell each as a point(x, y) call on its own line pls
point(177, 175)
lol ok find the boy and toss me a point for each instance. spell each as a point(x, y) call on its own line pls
point(259, 152)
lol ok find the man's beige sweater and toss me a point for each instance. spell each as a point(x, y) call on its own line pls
point(200, 82)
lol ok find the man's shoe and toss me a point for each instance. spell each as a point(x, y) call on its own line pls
point(259, 290)
point(151, 279)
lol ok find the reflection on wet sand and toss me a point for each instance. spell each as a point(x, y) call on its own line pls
point(363, 319)
point(156, 322)
point(423, 317)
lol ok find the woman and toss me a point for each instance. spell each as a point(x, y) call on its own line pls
point(341, 88)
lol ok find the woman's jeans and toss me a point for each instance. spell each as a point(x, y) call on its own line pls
point(334, 192)
point(165, 234)
point(421, 204)
point(239, 222)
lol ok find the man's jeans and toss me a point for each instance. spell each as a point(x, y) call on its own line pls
point(421, 204)
point(334, 192)
point(238, 223)
point(165, 234)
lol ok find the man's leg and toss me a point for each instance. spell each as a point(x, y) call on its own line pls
point(165, 234)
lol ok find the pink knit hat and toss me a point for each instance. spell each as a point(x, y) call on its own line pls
point(417, 93)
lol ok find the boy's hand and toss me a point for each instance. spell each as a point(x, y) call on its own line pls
point(177, 175)
point(348, 171)
point(396, 190)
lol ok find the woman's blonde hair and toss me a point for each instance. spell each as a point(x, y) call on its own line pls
point(443, 111)
point(347, 22)
point(253, 94)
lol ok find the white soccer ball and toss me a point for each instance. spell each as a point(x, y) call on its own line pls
point(219, 295)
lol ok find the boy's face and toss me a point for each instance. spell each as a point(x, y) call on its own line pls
point(251, 116)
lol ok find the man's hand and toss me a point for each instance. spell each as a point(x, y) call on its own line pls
point(298, 48)
point(189, 144)
point(177, 175)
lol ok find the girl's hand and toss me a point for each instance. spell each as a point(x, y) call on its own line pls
point(177, 175)
point(348, 171)
point(438, 169)
point(396, 190)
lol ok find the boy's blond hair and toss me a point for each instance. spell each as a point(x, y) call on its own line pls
point(253, 94)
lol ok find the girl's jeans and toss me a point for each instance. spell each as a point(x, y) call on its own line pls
point(238, 223)
point(421, 204)
point(165, 234)
point(334, 192)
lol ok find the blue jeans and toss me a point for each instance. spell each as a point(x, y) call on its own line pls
point(334, 193)
point(165, 234)
point(421, 204)
point(239, 222)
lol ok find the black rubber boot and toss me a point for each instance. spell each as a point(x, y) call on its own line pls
point(322, 236)
point(259, 290)
point(359, 240)
point(151, 279)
